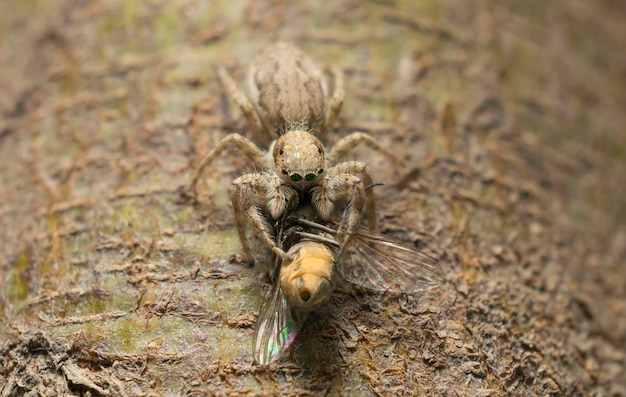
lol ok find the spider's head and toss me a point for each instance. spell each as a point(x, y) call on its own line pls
point(298, 158)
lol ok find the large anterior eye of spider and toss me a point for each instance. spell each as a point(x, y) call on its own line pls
point(296, 177)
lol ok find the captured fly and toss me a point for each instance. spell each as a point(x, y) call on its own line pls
point(371, 260)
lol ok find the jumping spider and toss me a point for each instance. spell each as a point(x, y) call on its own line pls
point(289, 105)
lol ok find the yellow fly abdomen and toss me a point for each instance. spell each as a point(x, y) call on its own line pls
point(308, 279)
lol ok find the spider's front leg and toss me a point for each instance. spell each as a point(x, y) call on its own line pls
point(344, 181)
point(335, 187)
point(246, 193)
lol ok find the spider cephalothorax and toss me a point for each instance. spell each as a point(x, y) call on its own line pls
point(298, 158)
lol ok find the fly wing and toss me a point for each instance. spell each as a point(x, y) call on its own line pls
point(381, 263)
point(276, 326)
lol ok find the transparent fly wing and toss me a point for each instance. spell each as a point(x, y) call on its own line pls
point(381, 263)
point(276, 327)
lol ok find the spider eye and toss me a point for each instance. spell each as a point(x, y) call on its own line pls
point(296, 177)
point(320, 171)
point(309, 177)
point(284, 172)
point(281, 152)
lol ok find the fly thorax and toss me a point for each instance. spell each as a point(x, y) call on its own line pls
point(308, 280)
point(299, 158)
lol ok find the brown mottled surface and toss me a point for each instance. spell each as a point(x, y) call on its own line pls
point(509, 114)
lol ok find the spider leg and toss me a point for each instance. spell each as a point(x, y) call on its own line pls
point(350, 142)
point(244, 104)
point(246, 193)
point(241, 143)
point(360, 170)
point(336, 101)
point(342, 184)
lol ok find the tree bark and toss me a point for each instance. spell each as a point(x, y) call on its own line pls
point(510, 117)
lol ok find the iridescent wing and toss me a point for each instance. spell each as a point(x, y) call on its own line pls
point(379, 262)
point(276, 326)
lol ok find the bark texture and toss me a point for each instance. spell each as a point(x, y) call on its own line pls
point(510, 116)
